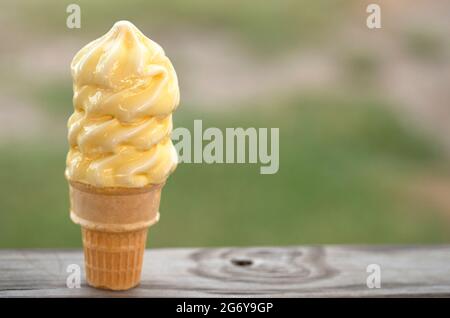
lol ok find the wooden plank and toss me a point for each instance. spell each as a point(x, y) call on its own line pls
point(309, 271)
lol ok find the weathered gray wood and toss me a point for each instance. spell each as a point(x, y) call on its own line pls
point(310, 271)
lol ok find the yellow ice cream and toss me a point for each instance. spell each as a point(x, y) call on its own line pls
point(125, 90)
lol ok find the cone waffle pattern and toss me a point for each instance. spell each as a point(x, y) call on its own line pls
point(113, 260)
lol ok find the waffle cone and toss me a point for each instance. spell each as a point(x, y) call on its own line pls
point(114, 225)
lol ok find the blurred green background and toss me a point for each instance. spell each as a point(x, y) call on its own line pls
point(364, 118)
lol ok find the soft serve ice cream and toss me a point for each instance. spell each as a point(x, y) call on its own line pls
point(125, 90)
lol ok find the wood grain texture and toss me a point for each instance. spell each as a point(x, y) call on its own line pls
point(308, 271)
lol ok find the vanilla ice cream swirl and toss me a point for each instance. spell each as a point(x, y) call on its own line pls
point(125, 90)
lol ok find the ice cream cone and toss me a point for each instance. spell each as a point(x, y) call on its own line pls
point(114, 224)
point(121, 153)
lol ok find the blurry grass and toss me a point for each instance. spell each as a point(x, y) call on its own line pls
point(269, 25)
point(362, 67)
point(54, 97)
point(343, 166)
point(424, 44)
